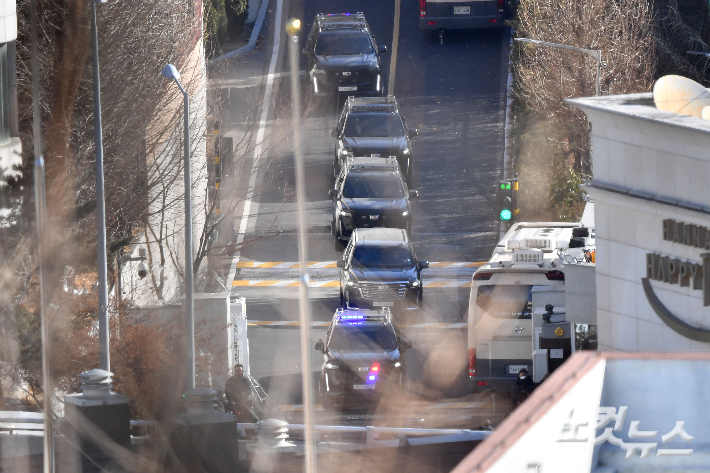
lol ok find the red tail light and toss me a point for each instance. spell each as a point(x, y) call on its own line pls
point(375, 367)
point(482, 276)
point(482, 383)
point(501, 6)
point(555, 275)
point(422, 8)
point(472, 362)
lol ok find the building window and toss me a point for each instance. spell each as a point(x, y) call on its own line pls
point(5, 96)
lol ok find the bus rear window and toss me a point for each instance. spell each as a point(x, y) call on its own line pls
point(505, 301)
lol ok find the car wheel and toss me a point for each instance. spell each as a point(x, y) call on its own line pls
point(420, 296)
point(336, 168)
point(332, 229)
point(342, 299)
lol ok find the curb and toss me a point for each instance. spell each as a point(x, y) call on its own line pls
point(249, 47)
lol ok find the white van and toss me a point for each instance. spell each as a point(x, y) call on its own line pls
point(500, 322)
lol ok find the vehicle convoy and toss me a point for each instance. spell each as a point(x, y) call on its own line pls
point(343, 56)
point(362, 357)
point(529, 258)
point(463, 14)
point(373, 127)
point(380, 269)
point(370, 192)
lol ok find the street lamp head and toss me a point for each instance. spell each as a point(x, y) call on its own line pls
point(170, 72)
point(100, 1)
point(293, 25)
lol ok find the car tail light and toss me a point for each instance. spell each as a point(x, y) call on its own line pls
point(422, 8)
point(501, 6)
point(431, 22)
point(482, 383)
point(555, 275)
point(482, 276)
point(472, 362)
point(375, 367)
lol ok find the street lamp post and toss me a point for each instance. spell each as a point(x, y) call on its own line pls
point(104, 354)
point(304, 305)
point(595, 53)
point(170, 72)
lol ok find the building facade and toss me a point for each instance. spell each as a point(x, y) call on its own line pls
point(10, 146)
point(652, 201)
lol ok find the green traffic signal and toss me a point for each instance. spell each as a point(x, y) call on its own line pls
point(506, 214)
point(505, 185)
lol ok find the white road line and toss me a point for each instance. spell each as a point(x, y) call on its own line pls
point(259, 138)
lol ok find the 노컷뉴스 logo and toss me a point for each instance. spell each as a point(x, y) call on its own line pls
point(578, 431)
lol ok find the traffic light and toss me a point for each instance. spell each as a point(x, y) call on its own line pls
point(506, 203)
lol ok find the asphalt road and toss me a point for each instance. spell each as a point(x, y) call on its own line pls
point(454, 94)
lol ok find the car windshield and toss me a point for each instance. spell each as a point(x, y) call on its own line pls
point(344, 43)
point(506, 301)
point(382, 257)
point(361, 185)
point(362, 338)
point(374, 124)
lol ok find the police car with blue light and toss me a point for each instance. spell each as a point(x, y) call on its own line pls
point(362, 358)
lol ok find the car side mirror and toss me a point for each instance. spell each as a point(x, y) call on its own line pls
point(333, 193)
point(320, 346)
point(413, 194)
point(405, 345)
point(383, 49)
point(334, 133)
point(340, 264)
point(413, 132)
point(423, 264)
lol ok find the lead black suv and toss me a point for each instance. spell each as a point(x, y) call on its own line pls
point(343, 56)
point(373, 127)
point(362, 357)
point(379, 269)
point(370, 192)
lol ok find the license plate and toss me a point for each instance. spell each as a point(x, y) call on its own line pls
point(347, 89)
point(374, 217)
point(462, 10)
point(373, 155)
point(515, 369)
point(363, 386)
point(383, 304)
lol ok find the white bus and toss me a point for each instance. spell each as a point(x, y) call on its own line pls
point(500, 313)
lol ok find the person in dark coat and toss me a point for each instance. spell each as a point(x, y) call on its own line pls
point(523, 387)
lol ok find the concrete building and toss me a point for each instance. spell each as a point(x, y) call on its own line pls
point(161, 241)
point(10, 146)
point(652, 202)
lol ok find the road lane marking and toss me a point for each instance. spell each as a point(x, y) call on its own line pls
point(428, 283)
point(295, 324)
point(265, 106)
point(333, 264)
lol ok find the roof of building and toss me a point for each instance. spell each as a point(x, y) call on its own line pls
point(629, 379)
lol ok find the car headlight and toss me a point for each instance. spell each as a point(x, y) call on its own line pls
point(397, 365)
point(405, 213)
point(315, 70)
point(414, 283)
point(332, 366)
point(352, 283)
point(343, 213)
point(406, 152)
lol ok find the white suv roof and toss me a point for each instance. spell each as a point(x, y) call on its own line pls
point(380, 235)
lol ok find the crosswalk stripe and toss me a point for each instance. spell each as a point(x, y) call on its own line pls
point(438, 283)
point(333, 264)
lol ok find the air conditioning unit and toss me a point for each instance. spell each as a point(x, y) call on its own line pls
point(529, 256)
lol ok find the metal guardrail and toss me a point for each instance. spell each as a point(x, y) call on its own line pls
point(12, 421)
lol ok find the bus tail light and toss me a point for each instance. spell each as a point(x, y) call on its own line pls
point(422, 8)
point(482, 276)
point(472, 362)
point(555, 275)
point(501, 6)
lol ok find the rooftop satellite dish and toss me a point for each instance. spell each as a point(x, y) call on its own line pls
point(680, 95)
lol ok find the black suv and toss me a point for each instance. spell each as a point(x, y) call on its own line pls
point(370, 192)
point(343, 56)
point(379, 269)
point(362, 357)
point(373, 127)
